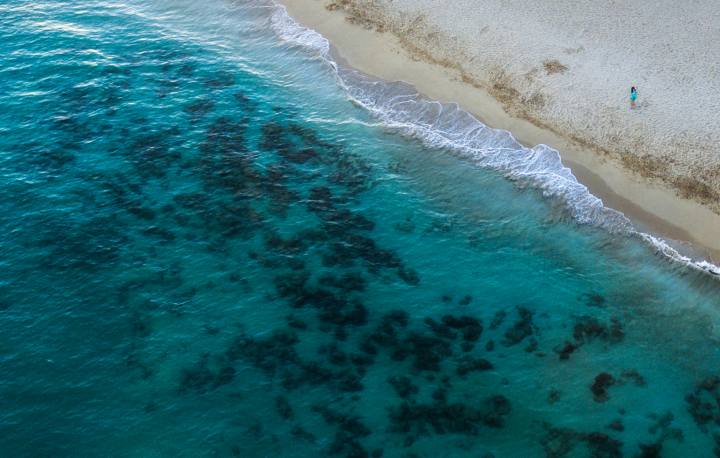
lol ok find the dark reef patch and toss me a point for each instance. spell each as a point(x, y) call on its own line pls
point(564, 351)
point(348, 282)
point(560, 442)
point(703, 403)
point(221, 80)
point(350, 430)
point(201, 379)
point(470, 328)
point(442, 418)
point(403, 386)
point(498, 319)
point(589, 328)
point(277, 357)
point(594, 299)
point(465, 300)
point(600, 386)
point(270, 354)
point(282, 405)
point(300, 433)
point(467, 365)
point(427, 352)
point(199, 108)
point(522, 328)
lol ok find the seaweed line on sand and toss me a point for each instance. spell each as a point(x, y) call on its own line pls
point(540, 166)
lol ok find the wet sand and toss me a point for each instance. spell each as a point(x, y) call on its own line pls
point(650, 204)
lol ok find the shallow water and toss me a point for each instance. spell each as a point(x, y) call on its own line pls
point(208, 250)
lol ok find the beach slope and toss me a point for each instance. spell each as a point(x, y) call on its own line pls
point(569, 67)
point(562, 77)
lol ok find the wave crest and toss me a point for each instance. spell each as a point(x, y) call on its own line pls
point(290, 31)
point(400, 106)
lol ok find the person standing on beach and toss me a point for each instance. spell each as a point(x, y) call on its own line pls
point(633, 96)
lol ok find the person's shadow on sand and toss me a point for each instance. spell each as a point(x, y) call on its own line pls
point(640, 106)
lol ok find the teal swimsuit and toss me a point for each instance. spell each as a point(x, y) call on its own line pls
point(633, 96)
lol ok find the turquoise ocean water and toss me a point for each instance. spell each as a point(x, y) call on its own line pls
point(217, 242)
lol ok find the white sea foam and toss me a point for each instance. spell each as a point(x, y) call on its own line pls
point(292, 32)
point(445, 125)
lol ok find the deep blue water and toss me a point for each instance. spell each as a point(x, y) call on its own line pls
point(208, 250)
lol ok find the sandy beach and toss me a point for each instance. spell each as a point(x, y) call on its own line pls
point(648, 162)
point(226, 232)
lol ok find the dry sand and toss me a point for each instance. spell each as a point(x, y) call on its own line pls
point(361, 33)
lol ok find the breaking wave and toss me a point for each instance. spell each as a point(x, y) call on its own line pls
point(400, 106)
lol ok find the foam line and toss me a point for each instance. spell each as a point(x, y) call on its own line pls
point(446, 125)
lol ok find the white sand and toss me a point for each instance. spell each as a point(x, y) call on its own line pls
point(408, 55)
point(667, 48)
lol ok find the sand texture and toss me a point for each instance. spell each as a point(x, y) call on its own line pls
point(653, 205)
point(568, 66)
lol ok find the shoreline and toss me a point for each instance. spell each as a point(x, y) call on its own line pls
point(652, 207)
